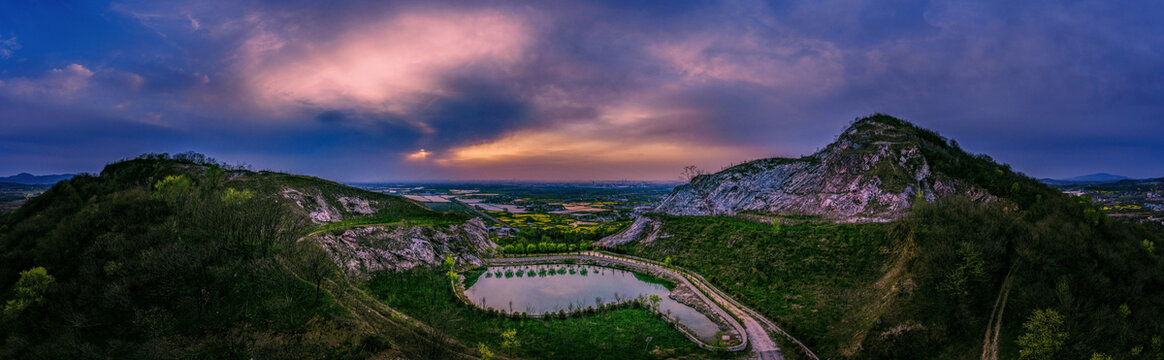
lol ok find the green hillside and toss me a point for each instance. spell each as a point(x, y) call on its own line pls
point(180, 257)
point(926, 286)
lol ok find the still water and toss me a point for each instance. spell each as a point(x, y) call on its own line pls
point(539, 289)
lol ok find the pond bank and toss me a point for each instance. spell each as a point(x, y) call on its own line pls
point(738, 339)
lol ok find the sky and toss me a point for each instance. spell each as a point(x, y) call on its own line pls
point(362, 91)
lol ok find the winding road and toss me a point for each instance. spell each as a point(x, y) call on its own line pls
point(755, 327)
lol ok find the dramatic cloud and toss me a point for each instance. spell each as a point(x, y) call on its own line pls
point(796, 64)
point(394, 66)
point(575, 90)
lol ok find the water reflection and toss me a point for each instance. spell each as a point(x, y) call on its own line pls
point(539, 289)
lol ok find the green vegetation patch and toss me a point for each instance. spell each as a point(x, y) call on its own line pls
point(471, 276)
point(654, 280)
point(430, 219)
point(893, 177)
point(807, 275)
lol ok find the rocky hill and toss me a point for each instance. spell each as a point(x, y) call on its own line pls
point(894, 243)
point(872, 172)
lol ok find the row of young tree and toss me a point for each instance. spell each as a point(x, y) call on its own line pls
point(533, 235)
point(544, 248)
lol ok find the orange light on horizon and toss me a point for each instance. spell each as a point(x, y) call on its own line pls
point(419, 155)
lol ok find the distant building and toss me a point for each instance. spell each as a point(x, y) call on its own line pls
point(501, 231)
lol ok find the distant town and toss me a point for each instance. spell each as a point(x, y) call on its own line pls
point(1133, 200)
point(591, 209)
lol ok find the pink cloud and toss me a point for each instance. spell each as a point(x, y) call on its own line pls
point(788, 63)
point(392, 65)
point(56, 83)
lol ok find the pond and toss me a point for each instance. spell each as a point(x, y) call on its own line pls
point(539, 289)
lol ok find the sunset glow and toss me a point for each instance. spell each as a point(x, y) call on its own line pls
point(419, 155)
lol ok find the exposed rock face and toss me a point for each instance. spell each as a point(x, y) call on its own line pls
point(356, 205)
point(316, 203)
point(644, 229)
point(872, 172)
point(363, 250)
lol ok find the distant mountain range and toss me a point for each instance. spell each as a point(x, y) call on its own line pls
point(26, 178)
point(1098, 178)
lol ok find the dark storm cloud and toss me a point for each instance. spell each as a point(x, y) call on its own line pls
point(573, 89)
point(479, 110)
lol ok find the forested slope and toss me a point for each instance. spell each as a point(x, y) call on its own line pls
point(180, 257)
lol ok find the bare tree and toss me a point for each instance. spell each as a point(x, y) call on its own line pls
point(315, 264)
point(690, 172)
point(693, 174)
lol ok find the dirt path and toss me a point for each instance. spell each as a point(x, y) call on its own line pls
point(763, 322)
point(994, 327)
point(762, 345)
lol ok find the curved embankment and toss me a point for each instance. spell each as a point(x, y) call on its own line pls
point(751, 324)
point(762, 321)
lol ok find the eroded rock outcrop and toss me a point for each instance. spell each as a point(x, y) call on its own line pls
point(363, 250)
point(315, 205)
point(324, 207)
point(644, 229)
